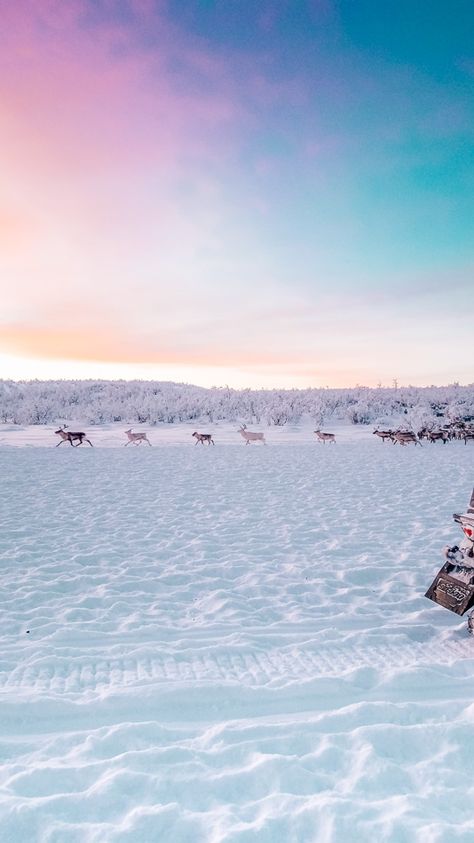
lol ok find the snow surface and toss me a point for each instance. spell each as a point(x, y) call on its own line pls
point(231, 643)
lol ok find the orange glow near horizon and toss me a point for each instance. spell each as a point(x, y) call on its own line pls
point(276, 376)
point(24, 368)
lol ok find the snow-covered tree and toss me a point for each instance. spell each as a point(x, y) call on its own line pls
point(153, 402)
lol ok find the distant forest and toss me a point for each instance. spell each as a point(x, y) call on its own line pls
point(148, 402)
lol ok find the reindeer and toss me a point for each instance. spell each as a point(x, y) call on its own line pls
point(424, 433)
point(69, 436)
point(383, 434)
point(403, 437)
point(251, 437)
point(436, 435)
point(203, 437)
point(325, 437)
point(137, 438)
point(468, 435)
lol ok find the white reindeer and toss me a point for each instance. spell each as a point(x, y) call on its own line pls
point(251, 437)
point(137, 438)
point(325, 437)
point(69, 435)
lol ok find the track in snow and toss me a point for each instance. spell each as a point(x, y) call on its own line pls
point(63, 676)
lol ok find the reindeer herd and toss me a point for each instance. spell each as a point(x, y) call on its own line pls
point(452, 430)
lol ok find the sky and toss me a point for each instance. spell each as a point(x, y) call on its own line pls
point(241, 192)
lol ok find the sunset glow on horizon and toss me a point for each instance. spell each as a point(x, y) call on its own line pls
point(268, 194)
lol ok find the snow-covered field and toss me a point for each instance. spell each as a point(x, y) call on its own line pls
point(231, 643)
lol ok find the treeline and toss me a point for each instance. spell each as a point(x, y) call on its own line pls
point(140, 402)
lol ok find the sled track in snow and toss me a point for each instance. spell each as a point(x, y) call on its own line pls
point(275, 667)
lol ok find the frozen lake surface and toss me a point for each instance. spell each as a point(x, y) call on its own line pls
point(231, 644)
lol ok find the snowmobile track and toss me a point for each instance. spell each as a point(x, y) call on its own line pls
point(79, 674)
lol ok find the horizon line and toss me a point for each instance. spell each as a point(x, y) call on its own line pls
point(379, 386)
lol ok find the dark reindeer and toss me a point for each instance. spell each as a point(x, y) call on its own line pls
point(203, 437)
point(69, 436)
point(437, 435)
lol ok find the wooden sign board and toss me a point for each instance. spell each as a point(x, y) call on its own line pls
point(455, 595)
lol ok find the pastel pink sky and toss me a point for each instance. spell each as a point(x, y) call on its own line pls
point(155, 219)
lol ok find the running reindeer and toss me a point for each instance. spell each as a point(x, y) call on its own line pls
point(203, 437)
point(137, 438)
point(249, 436)
point(437, 436)
point(383, 434)
point(69, 436)
point(325, 437)
point(404, 437)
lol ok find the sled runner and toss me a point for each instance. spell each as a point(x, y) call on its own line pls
point(453, 586)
